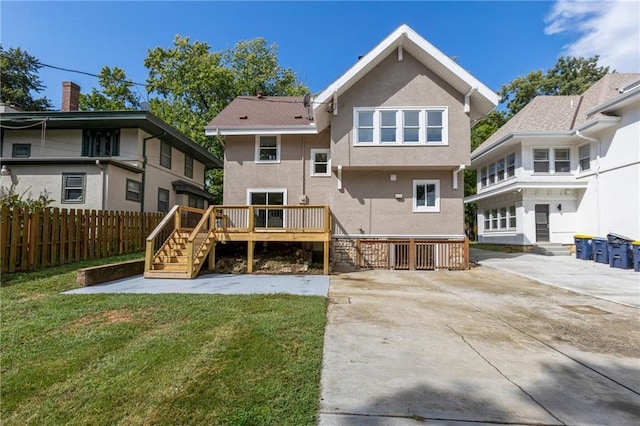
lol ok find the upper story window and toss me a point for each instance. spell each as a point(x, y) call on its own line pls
point(320, 162)
point(541, 160)
point(426, 195)
point(267, 149)
point(101, 143)
point(165, 154)
point(21, 150)
point(584, 157)
point(498, 171)
point(562, 163)
point(394, 126)
point(188, 165)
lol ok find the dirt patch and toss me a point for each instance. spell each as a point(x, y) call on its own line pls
point(273, 258)
point(103, 318)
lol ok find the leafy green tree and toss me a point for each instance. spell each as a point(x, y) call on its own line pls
point(255, 68)
point(569, 76)
point(116, 93)
point(19, 80)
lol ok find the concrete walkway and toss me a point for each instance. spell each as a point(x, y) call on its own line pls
point(582, 276)
point(304, 285)
point(475, 347)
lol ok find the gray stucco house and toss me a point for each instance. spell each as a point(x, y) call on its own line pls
point(383, 146)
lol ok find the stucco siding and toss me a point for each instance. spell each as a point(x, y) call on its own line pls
point(368, 204)
point(412, 85)
point(116, 186)
point(57, 143)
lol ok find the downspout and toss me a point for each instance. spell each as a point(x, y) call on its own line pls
point(598, 148)
point(104, 192)
point(460, 168)
point(144, 167)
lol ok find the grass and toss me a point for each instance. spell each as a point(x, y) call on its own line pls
point(502, 248)
point(156, 359)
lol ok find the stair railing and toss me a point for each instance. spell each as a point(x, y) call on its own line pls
point(207, 217)
point(160, 235)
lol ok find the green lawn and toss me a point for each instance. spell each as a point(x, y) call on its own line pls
point(156, 359)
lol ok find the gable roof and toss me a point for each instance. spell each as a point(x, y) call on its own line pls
point(121, 119)
point(262, 114)
point(483, 99)
point(561, 115)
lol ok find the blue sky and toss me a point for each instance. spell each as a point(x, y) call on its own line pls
point(495, 41)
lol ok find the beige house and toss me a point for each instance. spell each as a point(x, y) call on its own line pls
point(102, 160)
point(384, 146)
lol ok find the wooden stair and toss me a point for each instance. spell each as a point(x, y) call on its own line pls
point(172, 259)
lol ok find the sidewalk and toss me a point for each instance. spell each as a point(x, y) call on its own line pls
point(582, 276)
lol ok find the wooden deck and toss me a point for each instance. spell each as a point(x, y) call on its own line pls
point(179, 245)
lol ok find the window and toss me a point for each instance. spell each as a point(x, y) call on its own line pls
point(365, 126)
point(483, 176)
point(165, 154)
point(562, 164)
point(196, 202)
point(500, 170)
point(163, 200)
point(21, 150)
point(267, 218)
point(511, 165)
point(73, 187)
point(492, 173)
point(584, 157)
point(411, 126)
point(320, 162)
point(101, 143)
point(426, 195)
point(133, 190)
point(267, 149)
point(503, 218)
point(188, 165)
point(391, 126)
point(541, 160)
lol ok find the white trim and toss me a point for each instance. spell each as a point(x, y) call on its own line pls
point(265, 131)
point(257, 150)
point(426, 209)
point(313, 162)
point(399, 113)
point(451, 237)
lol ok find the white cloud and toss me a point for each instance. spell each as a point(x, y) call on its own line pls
point(610, 29)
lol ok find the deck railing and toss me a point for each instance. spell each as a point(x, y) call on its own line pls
point(273, 218)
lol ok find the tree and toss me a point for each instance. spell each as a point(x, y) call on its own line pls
point(19, 77)
point(569, 76)
point(116, 93)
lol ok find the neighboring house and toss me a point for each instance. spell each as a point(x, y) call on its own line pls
point(563, 165)
point(102, 160)
point(384, 145)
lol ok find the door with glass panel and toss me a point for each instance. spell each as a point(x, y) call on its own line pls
point(268, 218)
point(542, 222)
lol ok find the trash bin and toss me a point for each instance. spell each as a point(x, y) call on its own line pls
point(635, 246)
point(620, 253)
point(584, 248)
point(600, 250)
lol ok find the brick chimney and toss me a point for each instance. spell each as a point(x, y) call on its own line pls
point(70, 96)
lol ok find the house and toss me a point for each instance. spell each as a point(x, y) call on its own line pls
point(102, 160)
point(383, 146)
point(563, 165)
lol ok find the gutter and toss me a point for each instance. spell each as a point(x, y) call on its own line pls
point(144, 167)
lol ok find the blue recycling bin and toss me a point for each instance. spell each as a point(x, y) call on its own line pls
point(620, 254)
point(635, 246)
point(584, 249)
point(600, 250)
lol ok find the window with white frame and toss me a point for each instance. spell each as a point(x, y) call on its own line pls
point(483, 176)
point(492, 173)
point(394, 126)
point(561, 163)
point(73, 186)
point(541, 160)
point(511, 165)
point(320, 162)
point(584, 157)
point(268, 149)
point(503, 218)
point(426, 195)
point(498, 171)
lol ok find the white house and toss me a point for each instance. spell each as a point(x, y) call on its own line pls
point(563, 165)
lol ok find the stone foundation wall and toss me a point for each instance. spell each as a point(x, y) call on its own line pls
point(343, 254)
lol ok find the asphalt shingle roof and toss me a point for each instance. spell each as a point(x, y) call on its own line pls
point(252, 111)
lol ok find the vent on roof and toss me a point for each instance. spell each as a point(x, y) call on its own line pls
point(243, 117)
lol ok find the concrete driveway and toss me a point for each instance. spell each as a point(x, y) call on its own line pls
point(477, 346)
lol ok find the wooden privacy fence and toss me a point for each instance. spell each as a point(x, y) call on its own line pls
point(412, 254)
point(52, 236)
